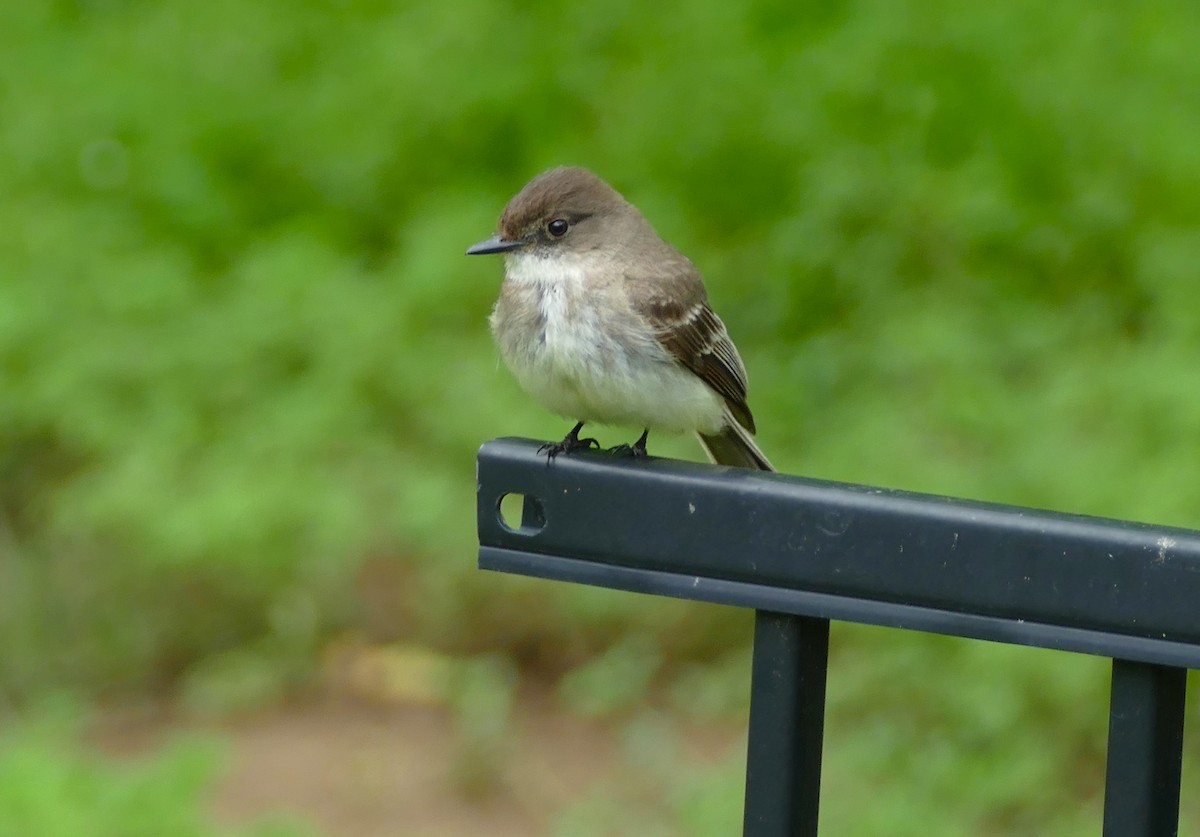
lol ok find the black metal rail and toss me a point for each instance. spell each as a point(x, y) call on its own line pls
point(802, 552)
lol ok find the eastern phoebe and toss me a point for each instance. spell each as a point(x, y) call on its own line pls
point(601, 320)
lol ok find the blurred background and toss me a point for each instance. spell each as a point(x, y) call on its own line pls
point(245, 368)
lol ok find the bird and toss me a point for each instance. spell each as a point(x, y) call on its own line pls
point(602, 321)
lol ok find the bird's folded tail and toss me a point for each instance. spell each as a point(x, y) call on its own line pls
point(734, 446)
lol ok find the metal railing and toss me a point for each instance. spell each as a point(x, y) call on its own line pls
point(802, 552)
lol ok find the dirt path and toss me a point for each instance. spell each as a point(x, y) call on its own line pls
point(356, 769)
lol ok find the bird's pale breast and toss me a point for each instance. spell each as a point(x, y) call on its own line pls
point(575, 345)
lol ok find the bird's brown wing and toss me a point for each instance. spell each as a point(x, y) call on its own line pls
point(692, 332)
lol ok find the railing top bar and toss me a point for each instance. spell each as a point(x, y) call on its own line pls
point(870, 545)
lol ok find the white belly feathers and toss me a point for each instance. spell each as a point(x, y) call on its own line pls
point(583, 353)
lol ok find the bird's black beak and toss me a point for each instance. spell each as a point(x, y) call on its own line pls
point(495, 244)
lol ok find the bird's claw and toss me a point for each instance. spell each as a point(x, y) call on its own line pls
point(636, 450)
point(567, 445)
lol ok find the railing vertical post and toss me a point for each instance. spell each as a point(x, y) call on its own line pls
point(787, 719)
point(1145, 750)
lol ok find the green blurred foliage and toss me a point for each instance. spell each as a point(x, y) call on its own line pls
point(244, 369)
point(49, 787)
point(658, 792)
point(618, 679)
point(482, 694)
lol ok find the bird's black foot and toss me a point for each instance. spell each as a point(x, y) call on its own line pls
point(636, 450)
point(571, 442)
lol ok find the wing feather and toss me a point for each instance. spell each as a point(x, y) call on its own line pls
point(691, 331)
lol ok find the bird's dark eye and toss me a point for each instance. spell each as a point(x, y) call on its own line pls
point(557, 228)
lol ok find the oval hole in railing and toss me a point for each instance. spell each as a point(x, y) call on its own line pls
point(521, 514)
